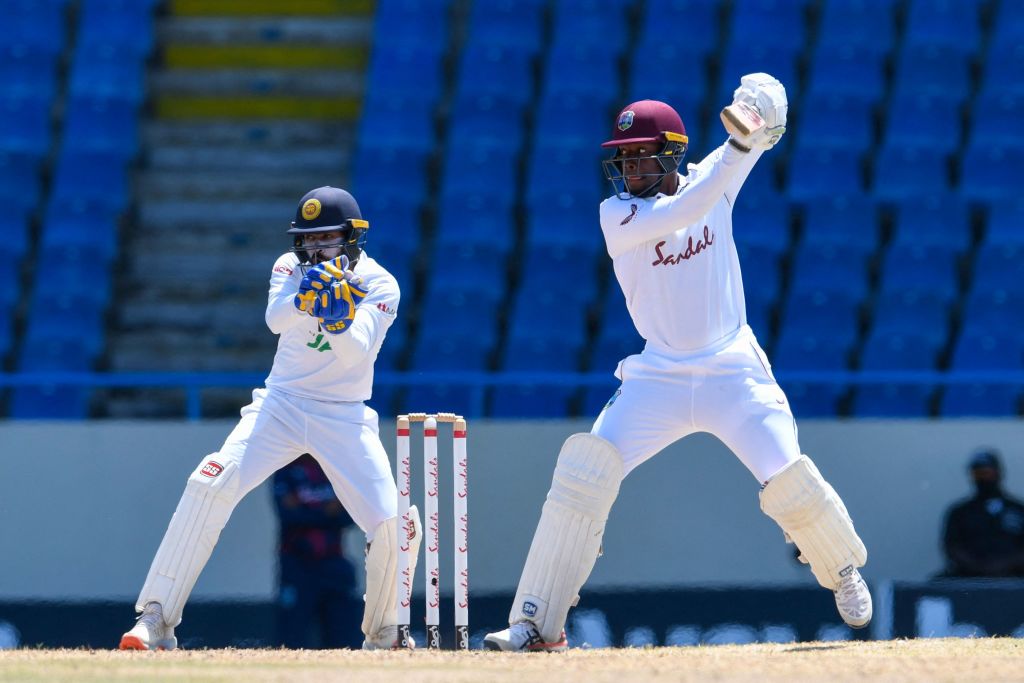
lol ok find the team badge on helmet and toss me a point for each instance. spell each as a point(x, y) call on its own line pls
point(311, 209)
point(626, 119)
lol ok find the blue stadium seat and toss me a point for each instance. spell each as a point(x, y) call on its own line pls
point(100, 178)
point(393, 350)
point(902, 172)
point(742, 57)
point(761, 270)
point(486, 120)
point(436, 350)
point(396, 120)
point(893, 401)
point(830, 120)
point(999, 267)
point(459, 312)
point(482, 170)
point(899, 351)
point(826, 317)
point(843, 220)
point(125, 23)
point(14, 226)
point(541, 354)
point(377, 167)
point(989, 114)
point(759, 318)
point(591, 23)
point(50, 402)
point(573, 121)
point(1008, 26)
point(847, 71)
point(816, 172)
point(937, 220)
point(612, 347)
point(466, 267)
point(6, 333)
point(574, 170)
point(778, 24)
point(562, 219)
point(1005, 224)
point(951, 24)
point(28, 72)
point(80, 225)
point(414, 23)
point(991, 174)
point(107, 71)
point(53, 329)
point(40, 25)
point(476, 220)
point(20, 182)
point(87, 264)
point(1003, 66)
point(43, 351)
point(980, 400)
point(915, 121)
point(798, 350)
point(829, 270)
point(918, 313)
point(685, 91)
point(863, 24)
point(399, 68)
point(761, 222)
point(531, 401)
point(507, 23)
point(562, 271)
point(994, 311)
point(701, 17)
point(584, 70)
point(920, 269)
point(394, 222)
point(545, 315)
point(930, 71)
point(10, 288)
point(101, 125)
point(595, 398)
point(501, 72)
point(25, 126)
point(986, 351)
point(810, 400)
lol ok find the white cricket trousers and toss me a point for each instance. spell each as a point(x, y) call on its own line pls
point(275, 429)
point(727, 390)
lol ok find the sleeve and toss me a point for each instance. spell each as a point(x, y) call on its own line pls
point(720, 173)
point(284, 284)
point(374, 315)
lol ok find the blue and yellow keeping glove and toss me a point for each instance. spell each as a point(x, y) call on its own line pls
point(331, 292)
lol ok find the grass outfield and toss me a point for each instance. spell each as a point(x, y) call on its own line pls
point(931, 661)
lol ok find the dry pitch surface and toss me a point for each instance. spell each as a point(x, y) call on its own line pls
point(931, 661)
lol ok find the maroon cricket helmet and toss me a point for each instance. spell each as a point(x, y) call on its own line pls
point(647, 121)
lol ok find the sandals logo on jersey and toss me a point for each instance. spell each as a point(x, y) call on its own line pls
point(625, 120)
point(633, 208)
point(311, 209)
point(212, 469)
point(529, 609)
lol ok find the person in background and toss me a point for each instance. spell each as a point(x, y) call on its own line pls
point(984, 535)
point(317, 605)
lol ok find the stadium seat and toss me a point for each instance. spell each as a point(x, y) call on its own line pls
point(595, 398)
point(1002, 67)
point(844, 220)
point(541, 354)
point(39, 25)
point(814, 400)
point(986, 351)
point(939, 220)
point(686, 91)
point(761, 270)
point(436, 350)
point(932, 71)
point(462, 399)
point(816, 172)
point(989, 114)
point(998, 267)
point(1007, 26)
point(567, 170)
point(861, 24)
point(399, 68)
point(466, 267)
point(513, 24)
point(101, 125)
point(585, 70)
point(125, 23)
point(917, 313)
point(50, 402)
point(893, 401)
point(826, 317)
point(20, 182)
point(979, 400)
point(530, 401)
point(503, 73)
point(590, 23)
point(28, 72)
point(94, 177)
point(904, 172)
point(563, 220)
point(568, 274)
point(546, 315)
point(776, 24)
point(701, 17)
point(831, 120)
point(1005, 224)
point(111, 72)
point(743, 57)
point(953, 24)
point(761, 222)
point(487, 120)
point(920, 269)
point(798, 350)
point(900, 350)
point(396, 121)
point(25, 126)
point(14, 226)
point(416, 23)
point(991, 174)
point(80, 225)
point(476, 220)
point(994, 311)
point(848, 71)
point(918, 122)
point(478, 170)
point(831, 270)
point(380, 167)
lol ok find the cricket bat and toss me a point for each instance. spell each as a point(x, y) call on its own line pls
point(741, 120)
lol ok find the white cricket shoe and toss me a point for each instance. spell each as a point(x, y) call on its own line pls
point(150, 632)
point(853, 600)
point(523, 637)
point(386, 639)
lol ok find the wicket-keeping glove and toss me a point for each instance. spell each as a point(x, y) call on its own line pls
point(336, 305)
point(317, 279)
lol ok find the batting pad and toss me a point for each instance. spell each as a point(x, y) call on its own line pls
point(810, 511)
point(381, 568)
point(568, 537)
point(211, 494)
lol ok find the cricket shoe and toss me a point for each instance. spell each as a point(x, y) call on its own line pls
point(853, 600)
point(387, 639)
point(150, 632)
point(523, 637)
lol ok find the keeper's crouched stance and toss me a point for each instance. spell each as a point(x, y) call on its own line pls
point(331, 305)
point(670, 239)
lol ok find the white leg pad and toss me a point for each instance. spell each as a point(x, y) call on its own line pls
point(811, 513)
point(381, 568)
point(210, 497)
point(568, 537)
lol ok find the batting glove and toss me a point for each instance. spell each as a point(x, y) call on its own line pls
point(767, 96)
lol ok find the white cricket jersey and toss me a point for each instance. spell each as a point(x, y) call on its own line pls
point(312, 363)
point(675, 258)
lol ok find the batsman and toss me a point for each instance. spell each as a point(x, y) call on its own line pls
point(331, 305)
point(670, 237)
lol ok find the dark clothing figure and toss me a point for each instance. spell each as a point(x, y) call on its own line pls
point(984, 534)
point(316, 605)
